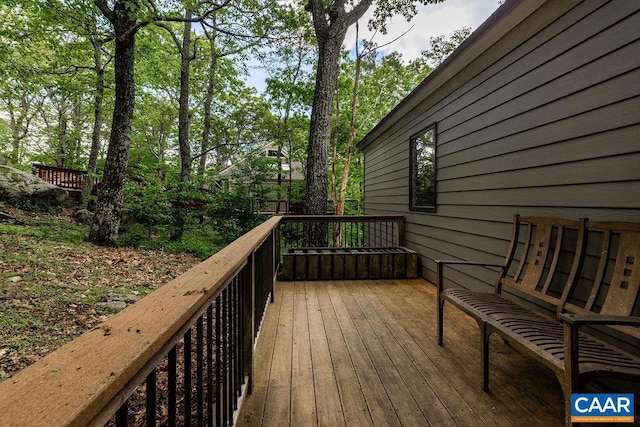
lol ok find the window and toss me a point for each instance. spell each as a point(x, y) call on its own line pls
point(422, 182)
point(274, 154)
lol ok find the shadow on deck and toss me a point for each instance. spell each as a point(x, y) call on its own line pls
point(364, 353)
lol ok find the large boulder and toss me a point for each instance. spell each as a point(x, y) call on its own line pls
point(24, 190)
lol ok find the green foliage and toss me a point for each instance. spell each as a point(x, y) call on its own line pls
point(442, 47)
point(233, 215)
point(202, 241)
point(147, 203)
point(386, 9)
point(47, 227)
point(298, 192)
point(5, 139)
point(47, 89)
point(212, 220)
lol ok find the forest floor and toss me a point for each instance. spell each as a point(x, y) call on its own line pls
point(52, 283)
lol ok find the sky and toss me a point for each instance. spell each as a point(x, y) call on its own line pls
point(432, 20)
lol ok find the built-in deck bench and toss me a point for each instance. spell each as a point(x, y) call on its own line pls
point(348, 263)
point(572, 278)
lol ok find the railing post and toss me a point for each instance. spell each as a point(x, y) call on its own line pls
point(401, 231)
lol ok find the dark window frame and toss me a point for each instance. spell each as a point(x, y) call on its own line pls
point(413, 204)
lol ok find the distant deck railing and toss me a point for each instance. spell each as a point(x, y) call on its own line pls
point(194, 337)
point(71, 179)
point(282, 207)
point(349, 231)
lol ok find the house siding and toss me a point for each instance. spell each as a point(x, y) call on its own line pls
point(544, 121)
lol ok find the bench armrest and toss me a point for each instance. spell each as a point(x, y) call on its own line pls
point(597, 319)
point(441, 263)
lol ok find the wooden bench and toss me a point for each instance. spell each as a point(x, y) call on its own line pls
point(587, 273)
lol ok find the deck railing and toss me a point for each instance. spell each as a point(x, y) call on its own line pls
point(180, 356)
point(343, 231)
point(71, 179)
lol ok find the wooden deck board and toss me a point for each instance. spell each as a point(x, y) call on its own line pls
point(375, 394)
point(354, 405)
point(363, 353)
point(328, 404)
point(303, 396)
point(277, 408)
point(514, 399)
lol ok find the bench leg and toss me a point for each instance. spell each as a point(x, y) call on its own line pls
point(571, 369)
point(440, 320)
point(485, 355)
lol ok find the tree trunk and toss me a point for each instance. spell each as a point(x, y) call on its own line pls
point(20, 118)
point(208, 102)
point(320, 134)
point(339, 203)
point(320, 127)
point(62, 154)
point(87, 187)
point(104, 230)
point(183, 113)
point(77, 122)
point(180, 215)
point(330, 25)
point(14, 156)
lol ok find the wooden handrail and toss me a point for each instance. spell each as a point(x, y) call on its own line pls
point(340, 218)
point(36, 166)
point(343, 230)
point(77, 383)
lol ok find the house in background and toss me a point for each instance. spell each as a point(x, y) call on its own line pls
point(537, 113)
point(281, 172)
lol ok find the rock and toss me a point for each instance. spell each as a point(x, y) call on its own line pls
point(113, 305)
point(84, 216)
point(130, 298)
point(127, 298)
point(116, 301)
point(14, 279)
point(22, 189)
point(5, 217)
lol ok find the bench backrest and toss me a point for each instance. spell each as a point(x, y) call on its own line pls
point(544, 258)
point(609, 277)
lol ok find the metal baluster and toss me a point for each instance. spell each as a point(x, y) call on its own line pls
point(171, 361)
point(241, 329)
point(224, 360)
point(238, 317)
point(210, 356)
point(232, 346)
point(386, 234)
point(272, 254)
point(187, 377)
point(151, 398)
point(218, 361)
point(123, 414)
point(199, 370)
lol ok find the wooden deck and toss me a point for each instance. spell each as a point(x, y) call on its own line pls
point(364, 353)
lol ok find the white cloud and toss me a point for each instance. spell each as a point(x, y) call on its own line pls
point(432, 20)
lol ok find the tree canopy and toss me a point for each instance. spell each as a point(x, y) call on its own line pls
point(151, 98)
